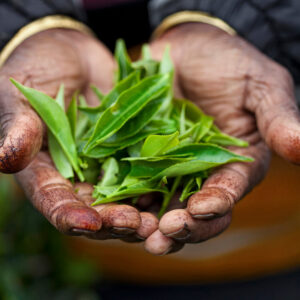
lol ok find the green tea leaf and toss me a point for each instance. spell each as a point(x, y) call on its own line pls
point(97, 92)
point(204, 157)
point(146, 67)
point(208, 153)
point(56, 120)
point(57, 154)
point(135, 149)
point(60, 98)
point(103, 151)
point(206, 122)
point(123, 60)
point(111, 169)
point(182, 119)
point(215, 136)
point(119, 88)
point(72, 114)
point(166, 64)
point(146, 52)
point(94, 112)
point(191, 187)
point(158, 144)
point(139, 188)
point(136, 124)
point(92, 172)
point(59, 158)
point(192, 111)
point(168, 196)
point(127, 106)
point(82, 126)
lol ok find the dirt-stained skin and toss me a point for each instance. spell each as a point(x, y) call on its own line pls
point(249, 95)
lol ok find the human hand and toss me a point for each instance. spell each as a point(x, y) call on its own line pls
point(251, 97)
point(43, 62)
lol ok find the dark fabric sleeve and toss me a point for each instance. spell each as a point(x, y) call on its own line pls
point(15, 14)
point(273, 26)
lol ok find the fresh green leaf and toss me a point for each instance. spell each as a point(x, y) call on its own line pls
point(59, 158)
point(111, 169)
point(72, 114)
point(127, 106)
point(97, 92)
point(204, 157)
point(192, 111)
point(92, 172)
point(123, 60)
point(215, 136)
point(146, 67)
point(134, 190)
point(155, 145)
point(95, 112)
point(168, 196)
point(119, 88)
point(146, 53)
point(60, 98)
point(136, 124)
point(55, 119)
point(166, 64)
point(103, 151)
point(182, 119)
point(206, 123)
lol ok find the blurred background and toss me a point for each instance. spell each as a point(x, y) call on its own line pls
point(258, 257)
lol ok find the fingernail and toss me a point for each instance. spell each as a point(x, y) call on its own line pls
point(205, 216)
point(121, 231)
point(140, 237)
point(80, 231)
point(181, 234)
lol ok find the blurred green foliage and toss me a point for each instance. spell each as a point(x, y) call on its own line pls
point(34, 261)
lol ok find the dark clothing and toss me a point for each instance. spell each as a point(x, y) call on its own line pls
point(273, 26)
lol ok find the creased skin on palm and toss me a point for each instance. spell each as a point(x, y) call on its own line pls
point(43, 62)
point(251, 97)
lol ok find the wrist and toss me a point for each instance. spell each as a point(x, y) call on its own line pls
point(40, 25)
point(191, 17)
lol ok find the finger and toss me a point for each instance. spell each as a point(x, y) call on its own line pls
point(118, 221)
point(209, 211)
point(54, 197)
point(182, 227)
point(149, 223)
point(21, 130)
point(277, 114)
point(229, 184)
point(152, 202)
point(159, 244)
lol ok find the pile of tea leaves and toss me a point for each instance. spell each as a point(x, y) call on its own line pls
point(139, 139)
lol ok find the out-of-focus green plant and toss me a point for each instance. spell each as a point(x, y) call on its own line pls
point(34, 262)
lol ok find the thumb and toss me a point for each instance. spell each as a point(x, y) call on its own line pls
point(21, 130)
point(277, 114)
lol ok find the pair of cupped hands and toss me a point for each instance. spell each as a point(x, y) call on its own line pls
point(249, 95)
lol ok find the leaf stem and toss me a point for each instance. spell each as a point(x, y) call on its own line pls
point(169, 196)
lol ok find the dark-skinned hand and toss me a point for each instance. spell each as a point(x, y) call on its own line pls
point(251, 97)
point(43, 62)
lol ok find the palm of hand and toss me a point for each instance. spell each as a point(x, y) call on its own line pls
point(250, 97)
point(44, 62)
